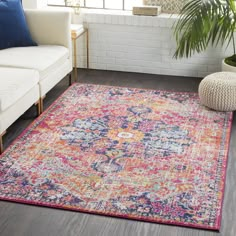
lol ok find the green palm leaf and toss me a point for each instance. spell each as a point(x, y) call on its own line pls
point(204, 22)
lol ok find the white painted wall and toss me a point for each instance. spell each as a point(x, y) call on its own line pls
point(34, 3)
point(139, 44)
point(29, 3)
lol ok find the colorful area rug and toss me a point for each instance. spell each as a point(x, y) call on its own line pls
point(133, 153)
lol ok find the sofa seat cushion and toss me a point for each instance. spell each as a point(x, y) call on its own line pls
point(14, 84)
point(44, 58)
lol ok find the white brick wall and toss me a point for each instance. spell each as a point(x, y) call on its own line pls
point(124, 42)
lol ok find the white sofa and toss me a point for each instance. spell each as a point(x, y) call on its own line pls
point(28, 73)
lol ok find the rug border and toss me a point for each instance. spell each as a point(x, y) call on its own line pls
point(137, 88)
point(219, 223)
point(120, 216)
point(189, 225)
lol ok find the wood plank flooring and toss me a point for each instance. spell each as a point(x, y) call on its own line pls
point(25, 220)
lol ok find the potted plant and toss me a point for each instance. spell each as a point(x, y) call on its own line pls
point(204, 22)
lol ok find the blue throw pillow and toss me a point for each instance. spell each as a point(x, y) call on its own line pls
point(14, 31)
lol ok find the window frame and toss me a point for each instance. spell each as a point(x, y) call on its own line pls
point(104, 8)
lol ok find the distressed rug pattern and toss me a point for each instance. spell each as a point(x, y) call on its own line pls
point(141, 154)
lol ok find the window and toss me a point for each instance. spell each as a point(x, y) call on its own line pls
point(104, 4)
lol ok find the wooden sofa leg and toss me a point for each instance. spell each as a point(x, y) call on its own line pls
point(41, 104)
point(1, 142)
point(38, 106)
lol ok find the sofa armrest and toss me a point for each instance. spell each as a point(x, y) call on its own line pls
point(49, 26)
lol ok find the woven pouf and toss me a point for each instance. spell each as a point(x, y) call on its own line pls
point(218, 91)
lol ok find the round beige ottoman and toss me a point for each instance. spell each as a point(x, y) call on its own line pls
point(218, 91)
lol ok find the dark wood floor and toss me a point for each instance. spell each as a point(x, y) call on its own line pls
point(23, 220)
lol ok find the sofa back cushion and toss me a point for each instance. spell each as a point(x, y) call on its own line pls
point(14, 31)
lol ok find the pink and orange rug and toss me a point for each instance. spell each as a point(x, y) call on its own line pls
point(133, 153)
